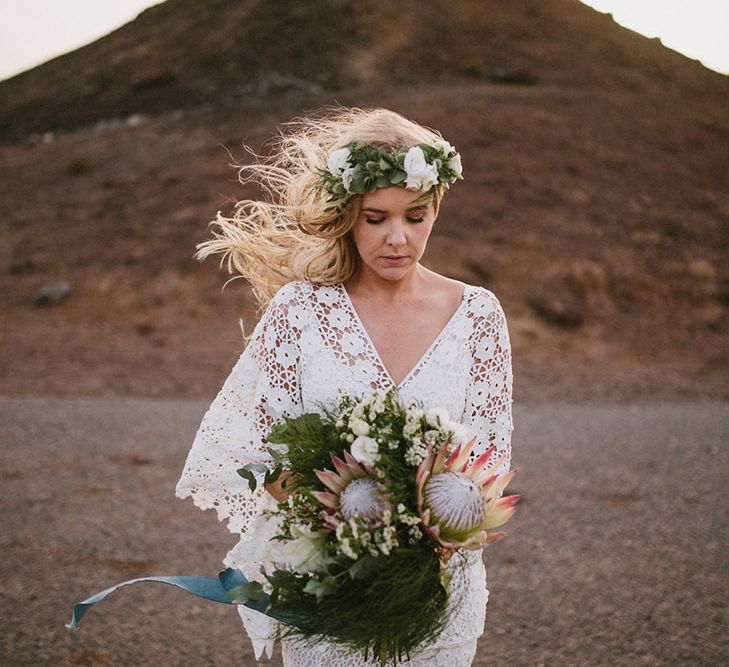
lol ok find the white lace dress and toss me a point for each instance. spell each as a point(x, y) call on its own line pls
point(309, 344)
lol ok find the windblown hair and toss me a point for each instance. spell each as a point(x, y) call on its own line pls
point(289, 235)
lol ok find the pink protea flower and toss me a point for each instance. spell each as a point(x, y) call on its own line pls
point(459, 503)
point(353, 492)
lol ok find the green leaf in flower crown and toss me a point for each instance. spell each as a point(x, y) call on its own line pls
point(430, 152)
point(398, 176)
point(251, 591)
point(357, 187)
point(385, 165)
point(382, 181)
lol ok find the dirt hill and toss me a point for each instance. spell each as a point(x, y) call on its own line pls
point(595, 203)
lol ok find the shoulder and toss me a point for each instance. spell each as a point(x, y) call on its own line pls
point(485, 314)
point(289, 293)
point(483, 302)
point(287, 307)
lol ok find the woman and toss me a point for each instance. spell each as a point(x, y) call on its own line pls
point(334, 260)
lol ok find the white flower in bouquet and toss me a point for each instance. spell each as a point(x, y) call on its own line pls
point(305, 553)
point(359, 426)
point(432, 436)
point(458, 433)
point(437, 417)
point(414, 412)
point(411, 426)
point(365, 450)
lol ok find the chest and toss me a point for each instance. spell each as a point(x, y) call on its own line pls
point(425, 358)
point(399, 336)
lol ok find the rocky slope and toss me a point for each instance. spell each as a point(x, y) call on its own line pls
point(595, 202)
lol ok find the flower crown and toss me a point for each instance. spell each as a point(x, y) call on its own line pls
point(360, 167)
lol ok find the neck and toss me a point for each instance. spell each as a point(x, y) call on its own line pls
point(368, 282)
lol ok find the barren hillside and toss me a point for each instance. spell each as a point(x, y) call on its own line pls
point(594, 203)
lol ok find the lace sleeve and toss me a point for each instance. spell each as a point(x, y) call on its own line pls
point(487, 413)
point(261, 388)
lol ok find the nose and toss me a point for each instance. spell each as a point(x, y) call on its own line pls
point(396, 234)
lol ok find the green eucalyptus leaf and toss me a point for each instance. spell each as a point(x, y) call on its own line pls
point(272, 475)
point(282, 579)
point(275, 454)
point(358, 187)
point(398, 176)
point(247, 473)
point(250, 477)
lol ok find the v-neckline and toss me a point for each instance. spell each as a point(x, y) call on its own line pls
point(423, 358)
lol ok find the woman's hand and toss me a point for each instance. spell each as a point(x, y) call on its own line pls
point(446, 554)
point(276, 489)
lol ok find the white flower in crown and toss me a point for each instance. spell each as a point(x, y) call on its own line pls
point(444, 146)
point(338, 161)
point(455, 164)
point(420, 174)
point(347, 177)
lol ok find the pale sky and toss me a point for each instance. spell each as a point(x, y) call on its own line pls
point(33, 31)
point(698, 28)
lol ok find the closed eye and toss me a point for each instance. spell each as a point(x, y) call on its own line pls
point(375, 221)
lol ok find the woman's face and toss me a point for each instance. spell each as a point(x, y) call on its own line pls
point(391, 231)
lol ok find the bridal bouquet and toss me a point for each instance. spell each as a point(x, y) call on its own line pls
point(381, 496)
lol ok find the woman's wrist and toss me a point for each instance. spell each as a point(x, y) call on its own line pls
point(276, 489)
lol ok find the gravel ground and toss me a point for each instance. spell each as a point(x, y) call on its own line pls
point(618, 555)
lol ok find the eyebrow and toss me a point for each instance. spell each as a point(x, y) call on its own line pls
point(412, 208)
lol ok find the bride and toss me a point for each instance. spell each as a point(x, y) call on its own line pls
point(333, 258)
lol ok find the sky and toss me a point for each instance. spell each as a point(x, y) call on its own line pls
point(33, 31)
point(697, 28)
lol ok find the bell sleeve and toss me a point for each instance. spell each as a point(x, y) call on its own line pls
point(262, 387)
point(488, 409)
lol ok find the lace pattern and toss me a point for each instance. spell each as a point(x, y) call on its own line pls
point(303, 654)
point(308, 346)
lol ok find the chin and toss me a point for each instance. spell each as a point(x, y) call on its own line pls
point(394, 272)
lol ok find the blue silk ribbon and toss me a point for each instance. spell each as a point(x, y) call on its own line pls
point(209, 588)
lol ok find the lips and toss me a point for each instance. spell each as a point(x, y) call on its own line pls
point(394, 256)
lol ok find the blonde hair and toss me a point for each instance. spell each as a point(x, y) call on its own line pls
point(289, 235)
